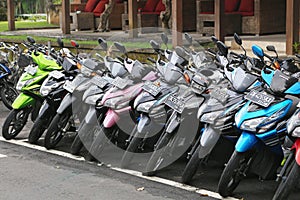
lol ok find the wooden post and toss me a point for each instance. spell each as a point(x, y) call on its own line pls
point(292, 25)
point(132, 18)
point(11, 15)
point(219, 19)
point(177, 25)
point(66, 17)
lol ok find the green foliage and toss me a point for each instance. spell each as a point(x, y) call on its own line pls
point(296, 47)
point(3, 16)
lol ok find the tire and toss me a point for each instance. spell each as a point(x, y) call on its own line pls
point(8, 94)
point(286, 185)
point(103, 137)
point(37, 130)
point(55, 130)
point(128, 155)
point(157, 156)
point(232, 174)
point(191, 167)
point(14, 123)
point(76, 145)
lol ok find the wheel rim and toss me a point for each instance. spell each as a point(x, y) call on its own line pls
point(56, 135)
point(17, 123)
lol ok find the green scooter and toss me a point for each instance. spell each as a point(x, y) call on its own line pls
point(29, 99)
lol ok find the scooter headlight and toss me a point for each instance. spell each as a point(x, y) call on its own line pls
point(210, 117)
point(293, 122)
point(252, 124)
point(296, 132)
point(93, 99)
point(145, 107)
point(86, 71)
point(117, 102)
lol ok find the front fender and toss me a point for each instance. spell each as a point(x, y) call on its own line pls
point(22, 101)
point(173, 122)
point(111, 118)
point(91, 116)
point(208, 140)
point(245, 142)
point(66, 103)
point(143, 125)
point(45, 110)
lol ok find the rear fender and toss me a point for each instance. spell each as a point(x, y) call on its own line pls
point(22, 101)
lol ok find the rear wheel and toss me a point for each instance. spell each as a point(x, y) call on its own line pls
point(56, 129)
point(288, 183)
point(15, 122)
point(233, 173)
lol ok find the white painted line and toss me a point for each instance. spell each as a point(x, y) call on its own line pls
point(40, 148)
point(3, 156)
point(174, 184)
point(131, 172)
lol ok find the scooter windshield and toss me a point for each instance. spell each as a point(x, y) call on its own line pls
point(281, 82)
point(172, 73)
point(242, 80)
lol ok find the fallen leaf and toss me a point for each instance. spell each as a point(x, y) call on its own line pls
point(140, 189)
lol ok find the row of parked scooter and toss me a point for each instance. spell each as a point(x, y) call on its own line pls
point(183, 103)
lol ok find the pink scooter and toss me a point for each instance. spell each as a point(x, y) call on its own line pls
point(119, 119)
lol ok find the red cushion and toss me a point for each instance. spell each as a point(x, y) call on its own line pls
point(150, 5)
point(246, 6)
point(231, 5)
point(90, 5)
point(160, 7)
point(100, 8)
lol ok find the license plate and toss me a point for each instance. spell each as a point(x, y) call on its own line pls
point(120, 83)
point(198, 87)
point(175, 103)
point(31, 70)
point(69, 86)
point(99, 81)
point(219, 94)
point(259, 98)
point(56, 74)
point(152, 88)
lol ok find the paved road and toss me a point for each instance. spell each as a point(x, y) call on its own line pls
point(31, 174)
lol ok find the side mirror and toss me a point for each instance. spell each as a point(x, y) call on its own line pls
point(259, 52)
point(222, 48)
point(154, 45)
point(237, 39)
point(214, 39)
point(181, 52)
point(74, 44)
point(189, 38)
point(120, 47)
point(30, 40)
point(102, 43)
point(164, 38)
point(271, 48)
point(60, 42)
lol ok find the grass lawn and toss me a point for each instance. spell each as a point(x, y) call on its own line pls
point(25, 24)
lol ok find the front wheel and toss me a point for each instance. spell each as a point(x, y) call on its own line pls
point(56, 129)
point(191, 167)
point(8, 95)
point(287, 184)
point(233, 173)
point(37, 130)
point(14, 123)
point(129, 153)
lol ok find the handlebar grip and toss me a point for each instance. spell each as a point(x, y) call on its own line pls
point(219, 64)
point(179, 65)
